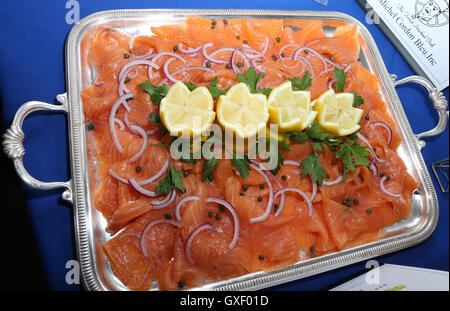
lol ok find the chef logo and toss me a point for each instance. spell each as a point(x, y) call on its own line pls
point(432, 13)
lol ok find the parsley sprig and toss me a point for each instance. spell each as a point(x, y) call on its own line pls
point(340, 76)
point(301, 84)
point(345, 148)
point(156, 92)
point(173, 178)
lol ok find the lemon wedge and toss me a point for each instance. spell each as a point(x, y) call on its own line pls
point(182, 110)
point(290, 110)
point(336, 113)
point(242, 112)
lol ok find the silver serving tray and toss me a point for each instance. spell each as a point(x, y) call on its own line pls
point(89, 223)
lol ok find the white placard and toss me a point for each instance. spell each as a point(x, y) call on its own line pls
point(422, 27)
point(398, 278)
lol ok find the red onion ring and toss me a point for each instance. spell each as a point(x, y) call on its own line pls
point(314, 192)
point(256, 54)
point(283, 196)
point(149, 54)
point(304, 195)
point(166, 201)
point(323, 59)
point(290, 162)
point(118, 121)
point(231, 50)
point(113, 174)
point(115, 106)
point(191, 238)
point(295, 66)
point(190, 50)
point(127, 67)
point(208, 57)
point(143, 133)
point(373, 166)
point(383, 189)
point(143, 182)
point(266, 46)
point(333, 182)
point(308, 63)
point(254, 65)
point(151, 224)
point(330, 83)
point(141, 190)
point(99, 83)
point(269, 203)
point(159, 55)
point(184, 200)
point(155, 177)
point(233, 56)
point(370, 147)
point(387, 127)
point(235, 218)
point(285, 47)
point(166, 70)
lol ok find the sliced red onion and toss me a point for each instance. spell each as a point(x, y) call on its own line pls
point(118, 121)
point(127, 67)
point(373, 166)
point(231, 50)
point(155, 177)
point(208, 57)
point(193, 55)
point(285, 47)
point(151, 224)
point(163, 81)
point(290, 162)
point(254, 53)
point(277, 181)
point(192, 237)
point(143, 133)
point(233, 57)
point(235, 218)
point(254, 65)
point(266, 46)
point(333, 182)
point(304, 195)
point(314, 192)
point(99, 83)
point(348, 69)
point(293, 67)
point(330, 83)
point(149, 54)
point(269, 203)
point(184, 200)
point(189, 50)
point(113, 174)
point(141, 190)
point(387, 127)
point(143, 182)
point(308, 63)
point(166, 201)
point(153, 131)
point(159, 55)
point(297, 54)
point(370, 147)
point(122, 99)
point(383, 188)
point(166, 70)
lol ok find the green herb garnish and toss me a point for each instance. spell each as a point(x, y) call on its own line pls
point(303, 84)
point(156, 92)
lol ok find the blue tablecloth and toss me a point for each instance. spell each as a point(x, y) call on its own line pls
point(32, 41)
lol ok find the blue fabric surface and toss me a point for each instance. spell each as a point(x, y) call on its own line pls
point(32, 68)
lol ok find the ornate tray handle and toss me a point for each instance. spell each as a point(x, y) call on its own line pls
point(440, 104)
point(13, 145)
